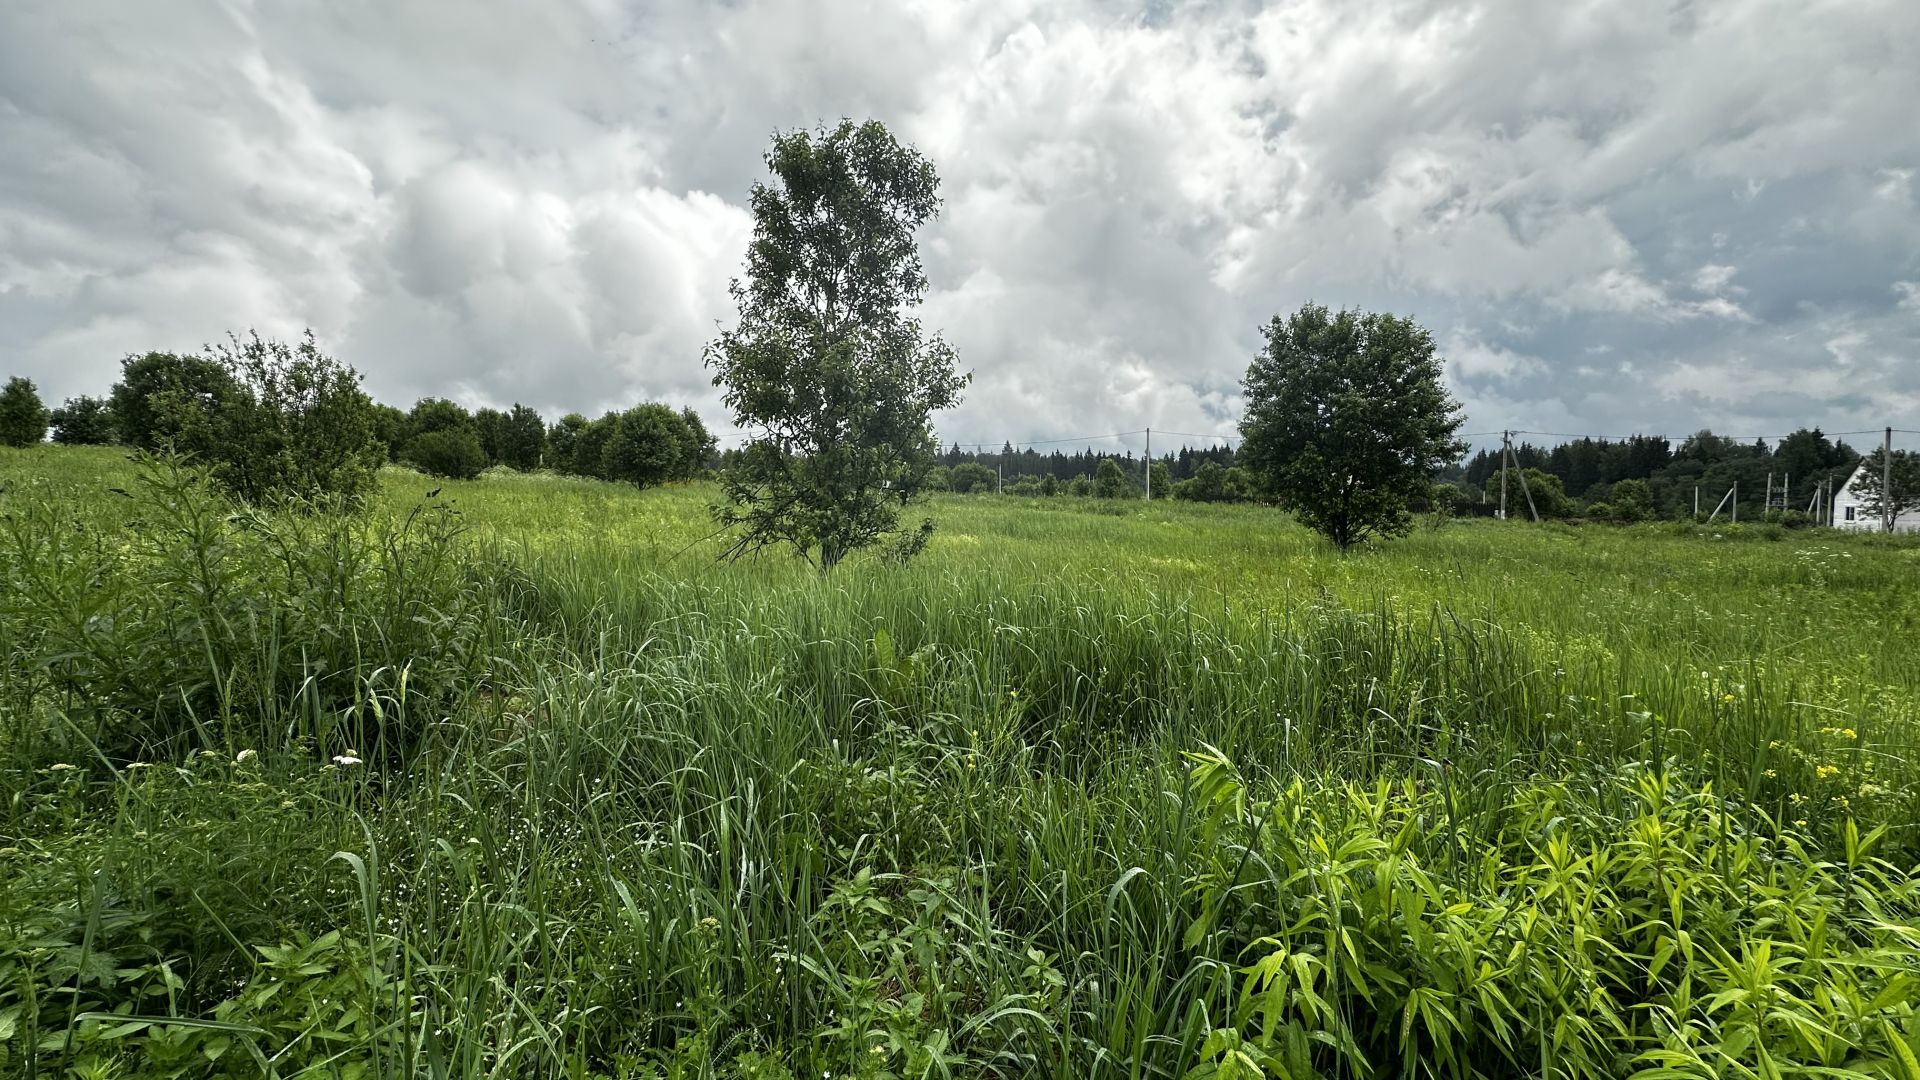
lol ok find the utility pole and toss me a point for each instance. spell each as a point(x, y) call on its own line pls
point(1000, 478)
point(1149, 464)
point(1696, 502)
point(1886, 479)
point(1735, 494)
point(1506, 451)
point(1506, 437)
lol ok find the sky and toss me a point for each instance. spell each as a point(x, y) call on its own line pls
point(1614, 217)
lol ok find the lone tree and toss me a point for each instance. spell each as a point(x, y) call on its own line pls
point(1876, 499)
point(1347, 420)
point(826, 368)
point(23, 418)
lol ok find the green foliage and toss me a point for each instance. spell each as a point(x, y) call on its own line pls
point(1162, 479)
point(1110, 481)
point(84, 421)
point(23, 418)
point(1348, 420)
point(825, 366)
point(970, 477)
point(590, 445)
point(1647, 929)
point(293, 423)
point(560, 443)
point(193, 619)
point(157, 389)
point(490, 426)
point(651, 444)
point(1549, 497)
point(1632, 500)
point(438, 414)
point(454, 453)
point(390, 427)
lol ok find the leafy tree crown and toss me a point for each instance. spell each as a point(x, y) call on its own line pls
point(1348, 420)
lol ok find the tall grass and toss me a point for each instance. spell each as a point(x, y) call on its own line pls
point(1086, 791)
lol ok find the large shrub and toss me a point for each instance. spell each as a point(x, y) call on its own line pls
point(291, 423)
point(454, 453)
point(84, 421)
point(651, 444)
point(158, 385)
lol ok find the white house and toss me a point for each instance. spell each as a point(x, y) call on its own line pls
point(1850, 510)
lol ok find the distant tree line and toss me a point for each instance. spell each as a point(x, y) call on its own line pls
point(271, 419)
point(1199, 474)
point(1647, 477)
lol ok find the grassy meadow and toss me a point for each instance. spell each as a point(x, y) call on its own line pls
point(512, 778)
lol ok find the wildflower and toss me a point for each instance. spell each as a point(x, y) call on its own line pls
point(1825, 771)
point(61, 767)
point(1769, 774)
point(1799, 823)
point(286, 804)
point(1796, 798)
point(139, 765)
point(1774, 745)
point(345, 759)
point(243, 757)
point(1848, 733)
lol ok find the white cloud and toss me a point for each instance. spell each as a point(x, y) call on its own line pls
point(1607, 211)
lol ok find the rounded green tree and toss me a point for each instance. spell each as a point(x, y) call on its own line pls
point(1348, 420)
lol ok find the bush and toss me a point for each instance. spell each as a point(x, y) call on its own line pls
point(454, 453)
point(23, 419)
point(291, 423)
point(84, 421)
point(209, 623)
point(1632, 500)
point(971, 476)
point(1111, 482)
point(651, 444)
point(1208, 484)
point(1601, 512)
point(1549, 496)
point(156, 390)
point(1080, 487)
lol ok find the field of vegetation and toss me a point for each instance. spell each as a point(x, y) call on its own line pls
point(511, 778)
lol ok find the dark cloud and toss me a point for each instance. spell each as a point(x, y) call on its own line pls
point(1615, 217)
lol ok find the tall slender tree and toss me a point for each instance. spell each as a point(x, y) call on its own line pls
point(826, 368)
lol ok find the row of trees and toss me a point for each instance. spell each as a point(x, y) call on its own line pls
point(273, 419)
point(1582, 475)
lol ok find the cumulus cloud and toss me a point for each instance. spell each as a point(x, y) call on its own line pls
point(1615, 217)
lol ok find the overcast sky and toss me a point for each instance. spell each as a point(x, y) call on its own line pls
point(1615, 217)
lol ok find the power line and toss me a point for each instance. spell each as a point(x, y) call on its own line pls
point(1197, 435)
point(1671, 438)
